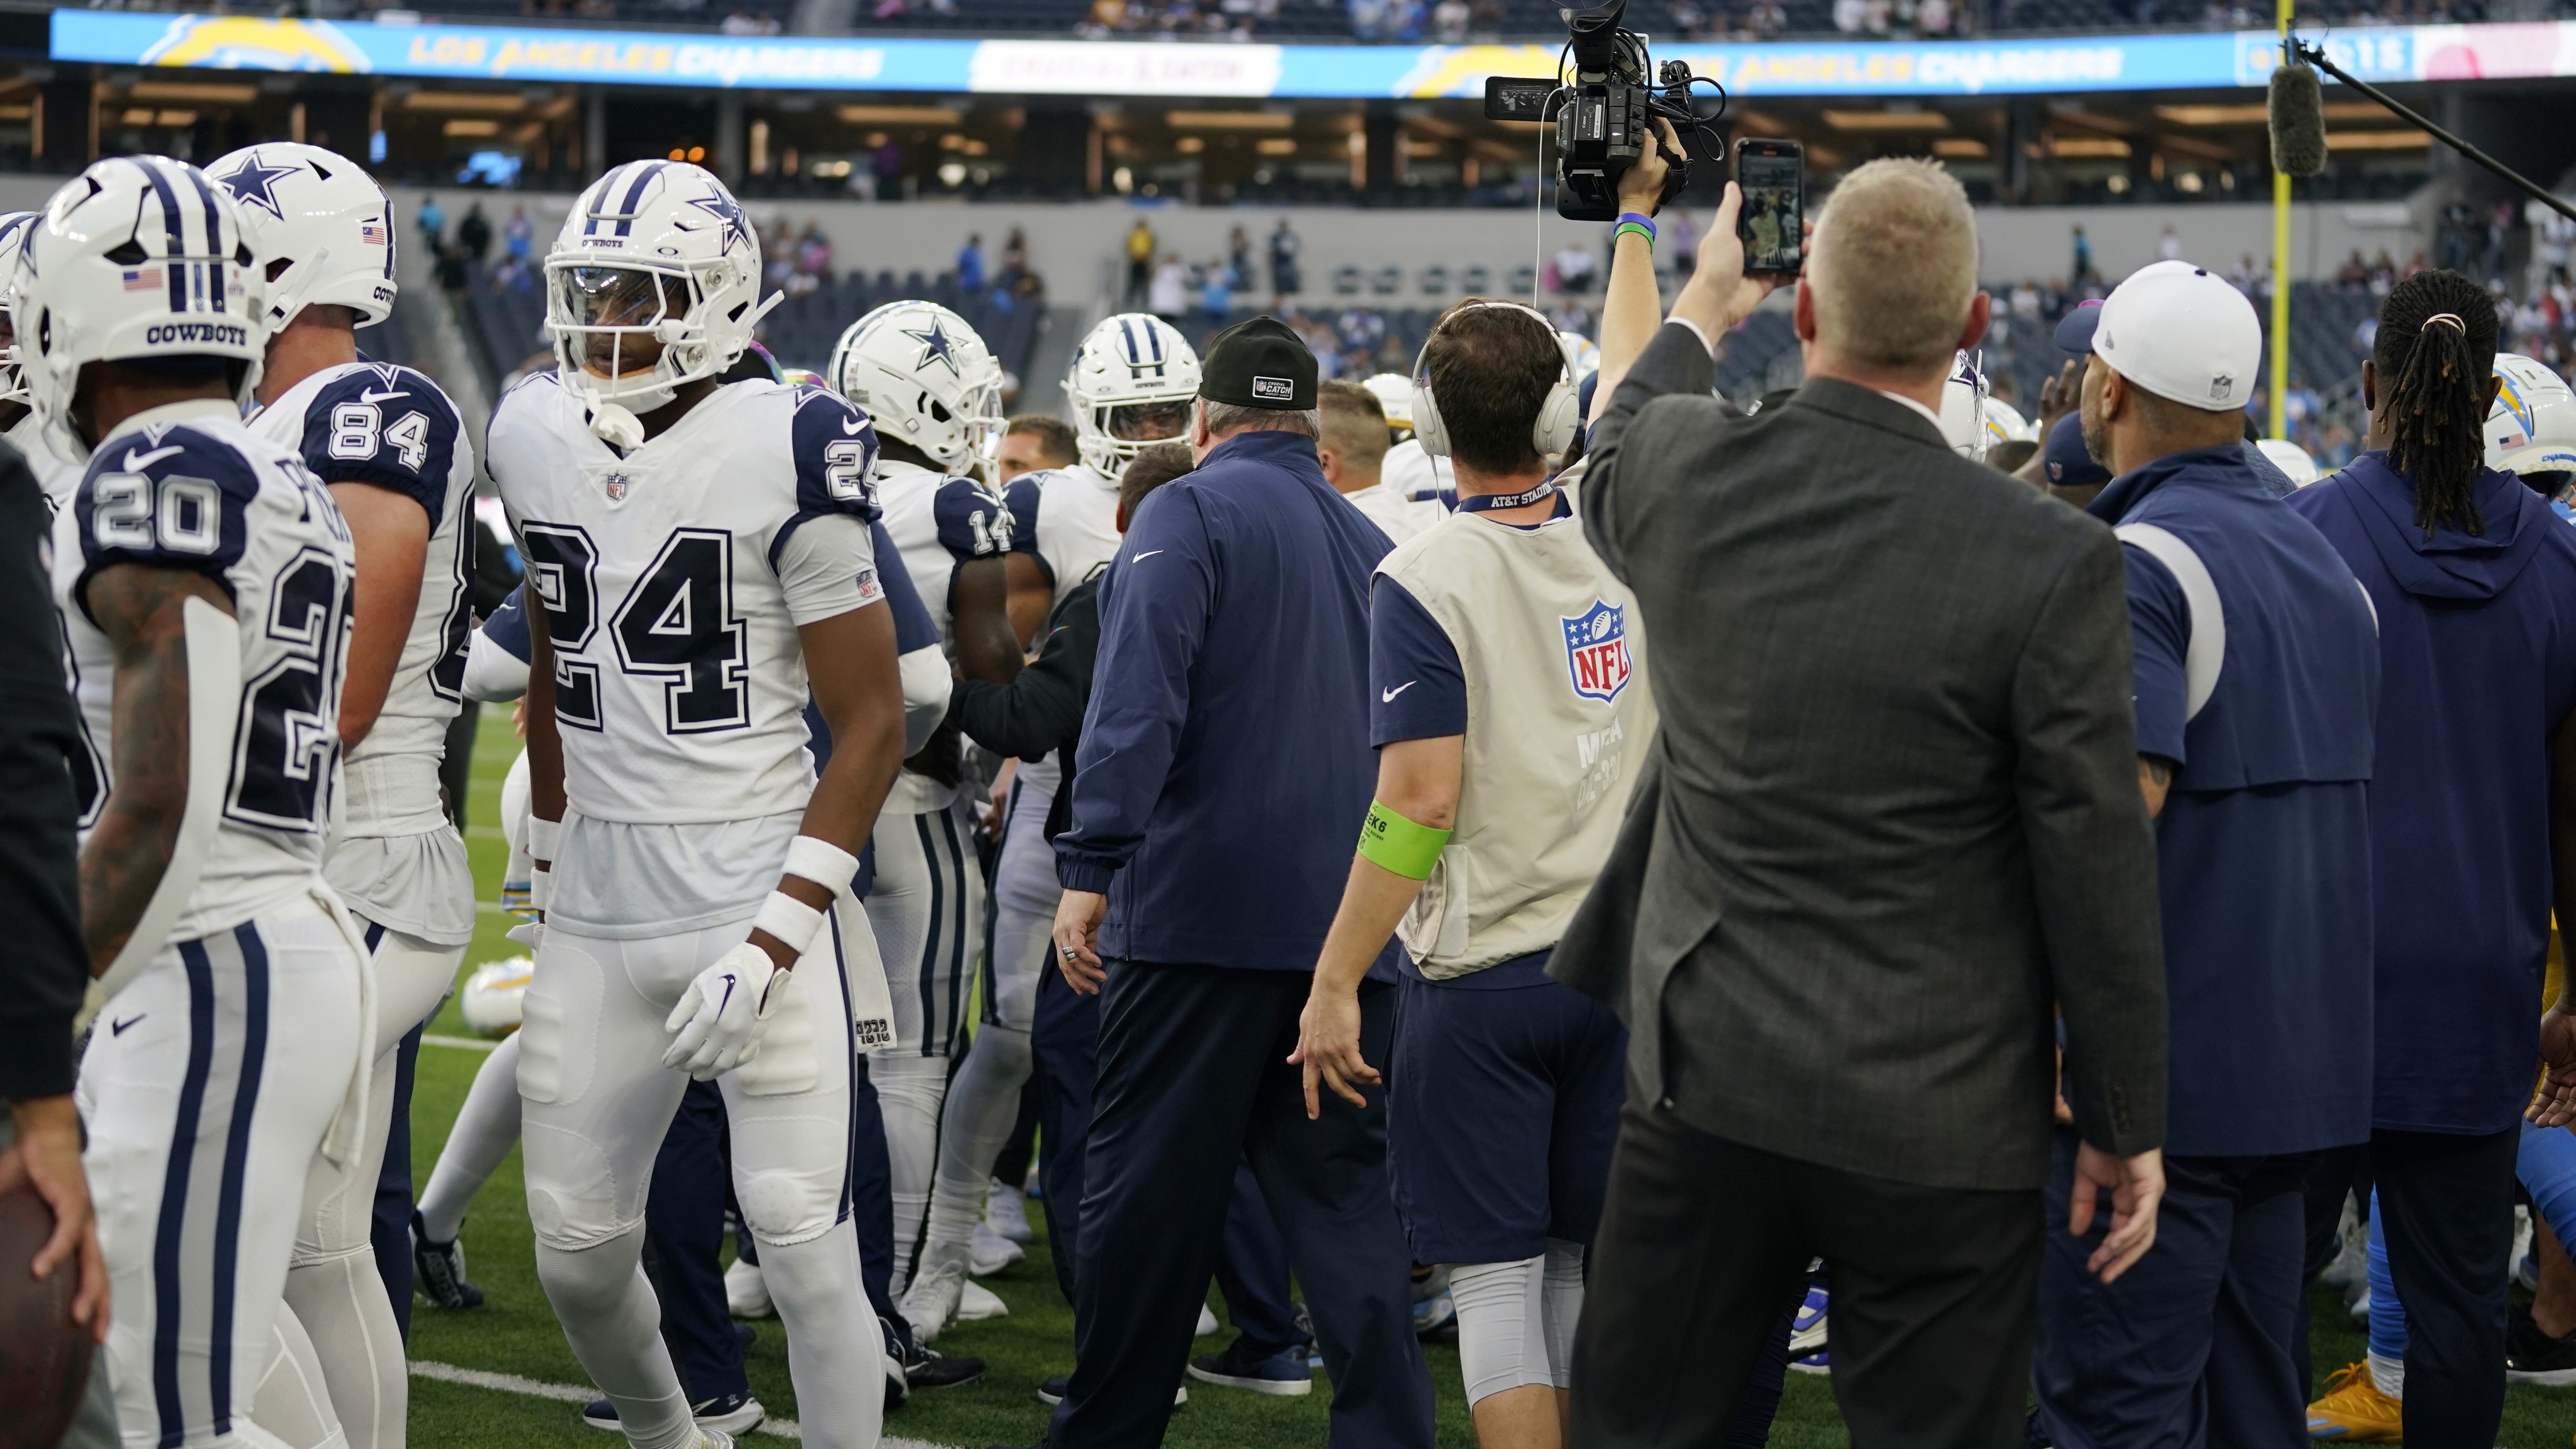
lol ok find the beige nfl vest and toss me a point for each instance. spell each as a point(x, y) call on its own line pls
point(1558, 723)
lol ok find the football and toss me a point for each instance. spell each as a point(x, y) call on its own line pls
point(44, 1355)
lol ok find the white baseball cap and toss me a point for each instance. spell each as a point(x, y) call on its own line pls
point(2182, 333)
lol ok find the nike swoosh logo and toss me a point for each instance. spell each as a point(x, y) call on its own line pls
point(118, 1028)
point(850, 426)
point(1389, 696)
point(377, 397)
point(136, 462)
point(1149, 553)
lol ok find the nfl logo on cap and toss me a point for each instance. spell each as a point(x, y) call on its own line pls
point(1596, 651)
point(1274, 389)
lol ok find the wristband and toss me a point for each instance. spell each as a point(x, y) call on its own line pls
point(543, 836)
point(1637, 222)
point(541, 890)
point(790, 920)
point(825, 864)
point(1399, 845)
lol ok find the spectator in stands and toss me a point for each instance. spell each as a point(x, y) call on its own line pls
point(2169, 246)
point(1015, 257)
point(814, 253)
point(1575, 268)
point(474, 233)
point(2083, 256)
point(1449, 21)
point(518, 235)
point(1285, 279)
point(1238, 260)
point(887, 167)
point(1140, 264)
point(970, 265)
point(433, 220)
point(1168, 296)
point(452, 275)
point(1216, 294)
point(1033, 441)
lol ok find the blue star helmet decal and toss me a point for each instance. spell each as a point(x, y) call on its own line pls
point(254, 183)
point(727, 210)
point(935, 346)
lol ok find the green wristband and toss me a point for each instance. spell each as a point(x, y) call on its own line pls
point(1626, 228)
point(1399, 845)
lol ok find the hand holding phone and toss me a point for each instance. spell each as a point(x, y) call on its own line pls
point(1773, 175)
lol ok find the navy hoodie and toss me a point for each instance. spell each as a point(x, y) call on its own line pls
point(2477, 641)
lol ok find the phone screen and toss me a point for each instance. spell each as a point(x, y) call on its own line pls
point(1771, 230)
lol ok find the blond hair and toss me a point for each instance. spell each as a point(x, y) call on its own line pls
point(1894, 267)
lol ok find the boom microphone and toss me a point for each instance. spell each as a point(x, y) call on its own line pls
point(2297, 118)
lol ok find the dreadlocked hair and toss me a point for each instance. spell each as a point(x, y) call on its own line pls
point(2434, 353)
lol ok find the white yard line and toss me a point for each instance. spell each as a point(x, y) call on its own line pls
point(462, 1043)
point(574, 1394)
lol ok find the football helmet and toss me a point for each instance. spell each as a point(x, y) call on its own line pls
point(137, 259)
point(14, 227)
point(491, 1000)
point(1963, 410)
point(320, 226)
point(2294, 461)
point(2005, 424)
point(2532, 427)
point(653, 283)
point(1394, 394)
point(925, 377)
point(1580, 354)
point(1131, 385)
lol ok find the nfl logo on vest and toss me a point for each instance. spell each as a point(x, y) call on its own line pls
point(1596, 651)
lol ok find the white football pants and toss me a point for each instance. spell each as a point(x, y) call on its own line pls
point(596, 1103)
point(486, 1128)
point(926, 909)
point(208, 1087)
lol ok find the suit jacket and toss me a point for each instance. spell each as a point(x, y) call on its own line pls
point(47, 965)
point(1893, 815)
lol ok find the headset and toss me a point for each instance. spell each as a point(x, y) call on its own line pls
point(1558, 416)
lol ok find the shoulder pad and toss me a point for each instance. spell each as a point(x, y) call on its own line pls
point(975, 520)
point(175, 499)
point(836, 456)
point(388, 426)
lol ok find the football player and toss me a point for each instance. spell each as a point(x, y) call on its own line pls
point(701, 553)
point(18, 421)
point(204, 579)
point(390, 447)
point(1130, 387)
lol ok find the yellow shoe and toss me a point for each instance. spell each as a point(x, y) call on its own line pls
point(2354, 1411)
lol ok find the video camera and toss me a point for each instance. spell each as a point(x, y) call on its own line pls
point(1605, 117)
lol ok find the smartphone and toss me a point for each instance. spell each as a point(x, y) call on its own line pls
point(1772, 227)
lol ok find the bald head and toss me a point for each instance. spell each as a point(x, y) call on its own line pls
point(1894, 269)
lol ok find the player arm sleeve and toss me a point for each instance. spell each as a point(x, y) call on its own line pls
point(1041, 708)
point(496, 655)
point(386, 428)
point(827, 568)
point(1417, 687)
point(40, 989)
point(2092, 853)
point(1153, 618)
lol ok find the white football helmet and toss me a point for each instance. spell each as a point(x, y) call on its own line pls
point(138, 259)
point(1580, 354)
point(921, 372)
point(1130, 388)
point(14, 229)
point(2005, 424)
point(2532, 427)
point(653, 282)
point(320, 226)
point(1394, 394)
point(1963, 410)
point(2292, 460)
point(492, 1001)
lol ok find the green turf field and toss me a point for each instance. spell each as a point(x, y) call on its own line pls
point(514, 1332)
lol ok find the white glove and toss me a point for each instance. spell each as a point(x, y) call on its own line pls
point(716, 1026)
point(531, 934)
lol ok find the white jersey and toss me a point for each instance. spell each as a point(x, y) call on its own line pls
point(674, 580)
point(394, 855)
point(55, 474)
point(1410, 471)
point(1069, 517)
point(187, 486)
point(1397, 516)
point(934, 521)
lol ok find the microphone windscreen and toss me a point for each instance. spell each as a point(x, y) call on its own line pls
point(2297, 116)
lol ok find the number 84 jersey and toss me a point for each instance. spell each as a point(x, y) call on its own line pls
point(188, 487)
point(674, 579)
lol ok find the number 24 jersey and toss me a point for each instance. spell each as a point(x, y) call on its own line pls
point(187, 486)
point(679, 681)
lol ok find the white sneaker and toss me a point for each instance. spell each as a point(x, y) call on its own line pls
point(988, 1252)
point(1006, 1212)
point(746, 1294)
point(1207, 1322)
point(2352, 1255)
point(713, 1439)
point(977, 1303)
point(930, 1302)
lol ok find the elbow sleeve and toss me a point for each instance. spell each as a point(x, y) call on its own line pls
point(493, 675)
point(926, 683)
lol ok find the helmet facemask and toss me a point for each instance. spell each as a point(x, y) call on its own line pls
point(634, 333)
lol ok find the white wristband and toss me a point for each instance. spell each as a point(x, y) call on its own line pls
point(792, 922)
point(541, 890)
point(825, 864)
point(543, 836)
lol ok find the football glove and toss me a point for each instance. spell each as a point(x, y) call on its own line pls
point(716, 1025)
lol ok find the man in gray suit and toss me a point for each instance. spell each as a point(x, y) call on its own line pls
point(1893, 825)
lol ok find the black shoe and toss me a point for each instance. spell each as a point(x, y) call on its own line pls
point(1052, 1393)
point(2533, 1357)
point(926, 1368)
point(1260, 1367)
point(726, 1413)
point(438, 1270)
point(898, 1383)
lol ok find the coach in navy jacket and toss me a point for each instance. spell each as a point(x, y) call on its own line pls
point(1223, 773)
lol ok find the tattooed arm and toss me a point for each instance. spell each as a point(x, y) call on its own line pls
point(141, 610)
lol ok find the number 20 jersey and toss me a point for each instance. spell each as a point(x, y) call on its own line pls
point(679, 686)
point(192, 488)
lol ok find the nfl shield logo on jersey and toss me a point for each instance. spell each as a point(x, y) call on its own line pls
point(1596, 651)
point(616, 485)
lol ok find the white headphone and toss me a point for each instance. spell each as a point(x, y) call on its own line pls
point(1558, 416)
